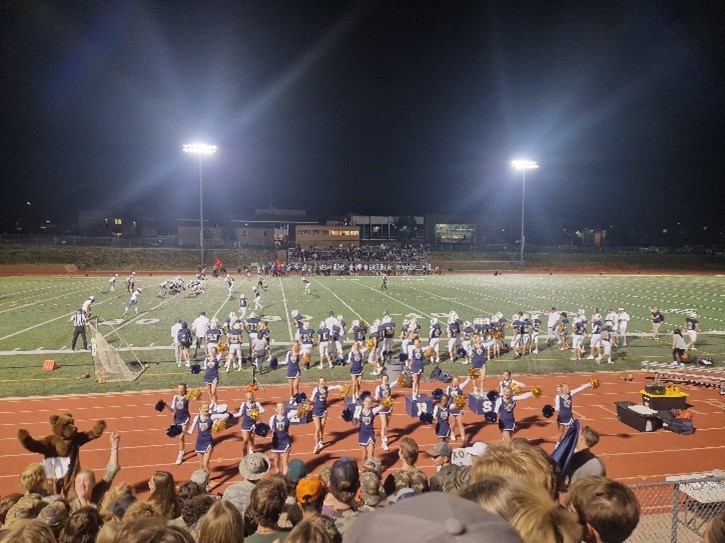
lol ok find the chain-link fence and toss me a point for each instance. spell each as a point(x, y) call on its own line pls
point(678, 511)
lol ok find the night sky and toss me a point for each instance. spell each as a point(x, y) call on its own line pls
point(387, 107)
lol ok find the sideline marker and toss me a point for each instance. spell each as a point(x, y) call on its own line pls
point(49, 365)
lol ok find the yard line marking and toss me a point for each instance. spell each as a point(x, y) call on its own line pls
point(286, 309)
point(343, 302)
point(397, 301)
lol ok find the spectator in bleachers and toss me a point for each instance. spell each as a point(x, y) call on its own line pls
point(82, 526)
point(407, 476)
point(163, 495)
point(522, 462)
point(265, 506)
point(223, 523)
point(584, 463)
point(340, 503)
point(29, 531)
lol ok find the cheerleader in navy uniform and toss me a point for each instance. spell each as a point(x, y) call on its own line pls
point(281, 442)
point(563, 406)
point(478, 361)
point(355, 359)
point(504, 407)
point(248, 422)
point(383, 390)
point(211, 375)
point(319, 410)
point(454, 390)
point(507, 381)
point(441, 416)
point(204, 444)
point(293, 371)
point(415, 364)
point(365, 417)
point(180, 408)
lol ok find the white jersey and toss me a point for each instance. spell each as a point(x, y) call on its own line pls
point(200, 325)
point(175, 332)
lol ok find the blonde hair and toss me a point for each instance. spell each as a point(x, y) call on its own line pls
point(141, 510)
point(116, 492)
point(164, 495)
point(539, 519)
point(32, 477)
point(408, 450)
point(223, 523)
point(495, 494)
point(29, 531)
point(524, 463)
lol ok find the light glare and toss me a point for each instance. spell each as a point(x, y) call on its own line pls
point(199, 148)
point(524, 164)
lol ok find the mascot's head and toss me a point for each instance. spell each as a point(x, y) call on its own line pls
point(63, 426)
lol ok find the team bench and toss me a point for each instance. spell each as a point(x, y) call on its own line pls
point(707, 376)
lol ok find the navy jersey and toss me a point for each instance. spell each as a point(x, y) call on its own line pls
point(306, 336)
point(359, 333)
point(597, 327)
point(212, 335)
point(336, 333)
point(180, 405)
point(324, 335)
point(388, 330)
point(252, 325)
point(235, 337)
point(436, 331)
point(454, 328)
point(691, 323)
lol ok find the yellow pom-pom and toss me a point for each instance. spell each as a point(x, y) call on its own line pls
point(370, 344)
point(306, 358)
point(387, 402)
point(474, 373)
point(219, 425)
point(430, 352)
point(515, 388)
point(345, 391)
point(223, 348)
point(254, 413)
point(401, 381)
point(193, 394)
point(536, 391)
point(594, 382)
point(459, 401)
point(304, 409)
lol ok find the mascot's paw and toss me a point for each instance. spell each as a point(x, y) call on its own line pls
point(23, 434)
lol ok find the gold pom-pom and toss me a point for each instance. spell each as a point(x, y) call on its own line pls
point(459, 401)
point(223, 348)
point(474, 373)
point(594, 382)
point(345, 391)
point(306, 359)
point(304, 409)
point(370, 344)
point(536, 391)
point(515, 388)
point(430, 352)
point(219, 425)
point(401, 381)
point(387, 402)
point(254, 413)
point(193, 394)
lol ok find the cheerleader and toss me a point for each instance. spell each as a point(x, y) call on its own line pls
point(319, 411)
point(454, 390)
point(365, 417)
point(478, 361)
point(179, 406)
point(248, 422)
point(563, 406)
point(441, 415)
point(504, 407)
point(281, 442)
point(383, 390)
point(211, 375)
point(204, 444)
point(507, 381)
point(355, 359)
point(293, 371)
point(415, 364)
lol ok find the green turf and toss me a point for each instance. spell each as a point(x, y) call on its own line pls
point(34, 313)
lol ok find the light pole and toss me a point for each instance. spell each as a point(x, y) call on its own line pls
point(523, 165)
point(200, 149)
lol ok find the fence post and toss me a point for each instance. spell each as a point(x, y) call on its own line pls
point(675, 511)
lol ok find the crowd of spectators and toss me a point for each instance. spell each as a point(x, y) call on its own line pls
point(506, 494)
point(351, 260)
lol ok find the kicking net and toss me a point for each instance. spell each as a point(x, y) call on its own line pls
point(107, 363)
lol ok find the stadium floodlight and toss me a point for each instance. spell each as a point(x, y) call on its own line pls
point(523, 165)
point(200, 149)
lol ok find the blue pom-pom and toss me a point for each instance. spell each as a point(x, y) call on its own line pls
point(426, 418)
point(300, 398)
point(461, 352)
point(492, 396)
point(364, 394)
point(261, 429)
point(490, 416)
point(174, 430)
point(160, 406)
point(347, 415)
point(437, 394)
point(273, 363)
point(403, 357)
point(339, 362)
point(195, 368)
point(548, 411)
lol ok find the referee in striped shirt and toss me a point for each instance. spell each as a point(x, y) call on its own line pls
point(79, 321)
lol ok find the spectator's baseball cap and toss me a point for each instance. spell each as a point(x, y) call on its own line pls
point(254, 466)
point(402, 494)
point(200, 477)
point(296, 470)
point(477, 449)
point(441, 449)
point(309, 489)
point(433, 517)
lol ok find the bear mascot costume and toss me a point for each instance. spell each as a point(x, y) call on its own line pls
point(61, 450)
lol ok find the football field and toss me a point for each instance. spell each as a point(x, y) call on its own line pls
point(34, 313)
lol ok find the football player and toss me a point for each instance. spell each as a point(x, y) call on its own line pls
point(692, 325)
point(434, 339)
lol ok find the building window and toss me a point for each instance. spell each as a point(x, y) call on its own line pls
point(455, 233)
point(117, 222)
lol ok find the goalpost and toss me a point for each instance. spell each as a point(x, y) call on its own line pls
point(107, 363)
